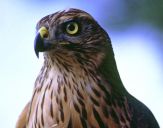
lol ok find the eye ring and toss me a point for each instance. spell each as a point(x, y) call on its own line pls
point(72, 28)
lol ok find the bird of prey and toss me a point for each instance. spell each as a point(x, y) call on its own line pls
point(79, 85)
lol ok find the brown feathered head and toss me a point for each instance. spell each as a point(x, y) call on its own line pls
point(72, 32)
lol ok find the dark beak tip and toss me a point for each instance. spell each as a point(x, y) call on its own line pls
point(36, 51)
point(37, 44)
point(37, 54)
point(41, 45)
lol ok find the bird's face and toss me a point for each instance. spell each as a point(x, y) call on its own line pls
point(73, 31)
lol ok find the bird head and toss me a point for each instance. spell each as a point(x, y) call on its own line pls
point(73, 39)
point(72, 32)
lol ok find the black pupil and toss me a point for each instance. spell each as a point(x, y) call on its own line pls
point(71, 27)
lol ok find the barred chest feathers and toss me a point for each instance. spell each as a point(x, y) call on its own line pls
point(70, 95)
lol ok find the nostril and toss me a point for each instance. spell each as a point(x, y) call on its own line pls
point(46, 35)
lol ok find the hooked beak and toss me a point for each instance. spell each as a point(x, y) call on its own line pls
point(40, 43)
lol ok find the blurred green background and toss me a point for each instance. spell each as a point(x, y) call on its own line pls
point(135, 28)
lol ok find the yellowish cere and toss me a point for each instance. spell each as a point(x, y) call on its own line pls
point(43, 32)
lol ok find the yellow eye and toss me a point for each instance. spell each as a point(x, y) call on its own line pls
point(72, 28)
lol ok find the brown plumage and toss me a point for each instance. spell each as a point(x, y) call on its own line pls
point(79, 85)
